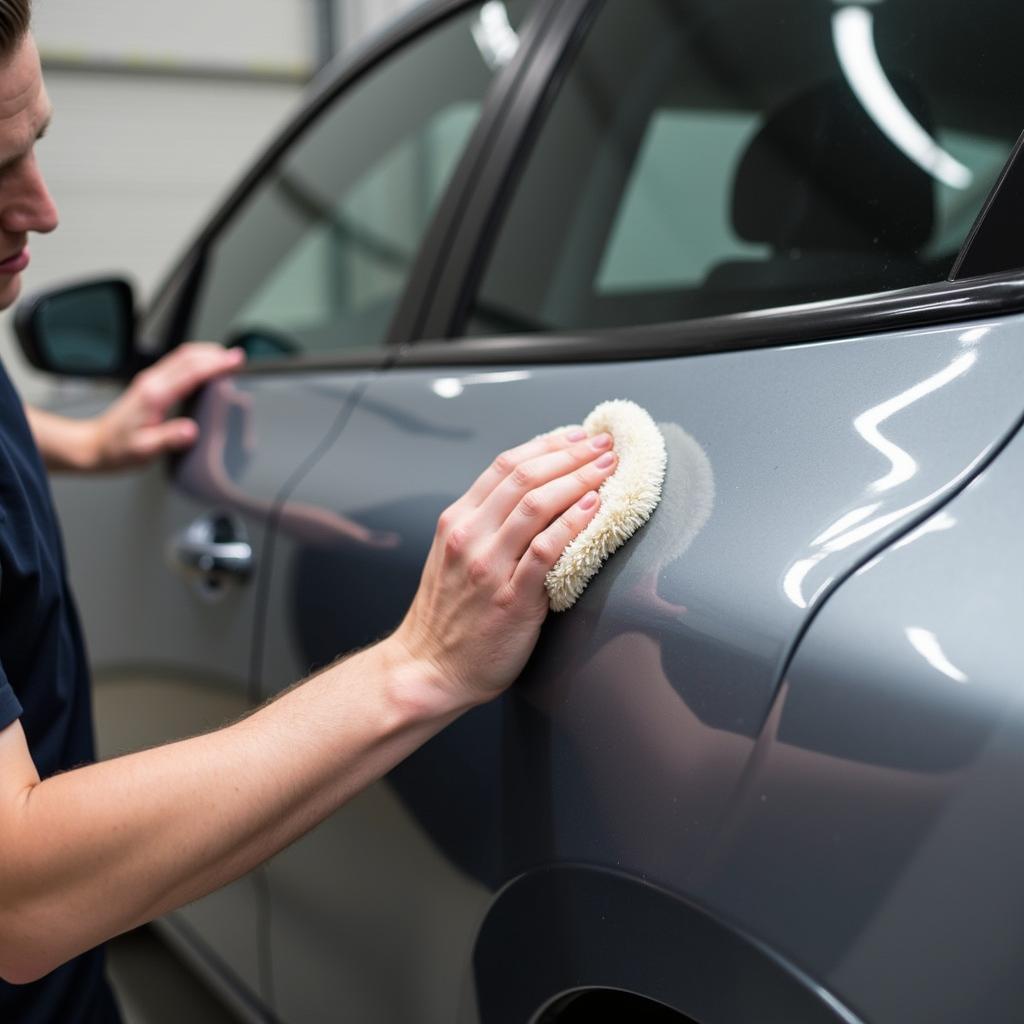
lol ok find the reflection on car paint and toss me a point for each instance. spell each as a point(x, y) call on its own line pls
point(926, 643)
point(452, 387)
point(862, 522)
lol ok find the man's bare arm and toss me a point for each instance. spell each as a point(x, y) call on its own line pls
point(93, 852)
point(135, 429)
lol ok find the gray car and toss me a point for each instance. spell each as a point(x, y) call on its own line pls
point(769, 767)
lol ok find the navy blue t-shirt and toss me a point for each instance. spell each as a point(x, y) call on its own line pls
point(44, 681)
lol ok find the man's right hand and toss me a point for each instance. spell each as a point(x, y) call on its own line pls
point(477, 614)
point(93, 852)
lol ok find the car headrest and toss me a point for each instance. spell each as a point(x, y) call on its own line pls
point(821, 175)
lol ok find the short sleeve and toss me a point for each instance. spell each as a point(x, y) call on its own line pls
point(10, 707)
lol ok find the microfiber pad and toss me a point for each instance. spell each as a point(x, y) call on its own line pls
point(628, 497)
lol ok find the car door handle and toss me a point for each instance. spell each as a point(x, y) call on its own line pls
point(214, 545)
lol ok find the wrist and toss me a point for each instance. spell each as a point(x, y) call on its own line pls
point(88, 449)
point(77, 446)
point(417, 688)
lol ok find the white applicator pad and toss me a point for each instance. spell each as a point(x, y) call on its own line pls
point(628, 497)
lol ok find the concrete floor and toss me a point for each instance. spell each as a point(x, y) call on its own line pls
point(153, 986)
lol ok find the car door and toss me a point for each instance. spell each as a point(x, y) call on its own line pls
point(694, 206)
point(306, 264)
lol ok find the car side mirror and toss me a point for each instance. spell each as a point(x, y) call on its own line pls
point(262, 343)
point(85, 330)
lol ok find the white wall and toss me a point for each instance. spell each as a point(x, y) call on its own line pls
point(253, 33)
point(137, 161)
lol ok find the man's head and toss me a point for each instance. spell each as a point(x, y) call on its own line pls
point(25, 203)
point(15, 19)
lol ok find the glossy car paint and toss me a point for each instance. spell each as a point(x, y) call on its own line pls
point(893, 752)
point(635, 727)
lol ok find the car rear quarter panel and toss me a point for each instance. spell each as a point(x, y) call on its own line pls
point(883, 807)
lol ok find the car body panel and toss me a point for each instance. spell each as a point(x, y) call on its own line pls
point(883, 806)
point(632, 727)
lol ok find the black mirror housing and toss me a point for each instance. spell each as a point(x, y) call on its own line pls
point(83, 330)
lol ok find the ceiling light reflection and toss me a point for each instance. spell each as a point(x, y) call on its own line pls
point(494, 35)
point(853, 35)
point(926, 643)
point(973, 336)
point(867, 423)
point(447, 387)
point(452, 387)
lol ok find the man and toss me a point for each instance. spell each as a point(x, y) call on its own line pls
point(90, 852)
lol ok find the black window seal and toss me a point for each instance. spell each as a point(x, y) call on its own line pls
point(924, 306)
point(484, 209)
point(325, 88)
point(995, 242)
point(439, 253)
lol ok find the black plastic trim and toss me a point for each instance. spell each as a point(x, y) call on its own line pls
point(926, 306)
point(947, 302)
point(462, 263)
point(995, 243)
point(368, 359)
point(438, 250)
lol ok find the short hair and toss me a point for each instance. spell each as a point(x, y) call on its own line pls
point(15, 20)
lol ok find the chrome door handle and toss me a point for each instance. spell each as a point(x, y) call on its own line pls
point(214, 545)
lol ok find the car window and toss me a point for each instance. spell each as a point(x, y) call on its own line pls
point(704, 157)
point(317, 258)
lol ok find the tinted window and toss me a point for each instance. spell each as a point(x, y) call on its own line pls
point(317, 259)
point(706, 157)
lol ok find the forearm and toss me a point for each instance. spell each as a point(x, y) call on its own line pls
point(65, 444)
point(102, 849)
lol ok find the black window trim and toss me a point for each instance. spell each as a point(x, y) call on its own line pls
point(458, 265)
point(995, 241)
point(924, 306)
point(443, 249)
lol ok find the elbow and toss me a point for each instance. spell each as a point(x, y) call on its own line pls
point(23, 959)
point(22, 974)
point(18, 969)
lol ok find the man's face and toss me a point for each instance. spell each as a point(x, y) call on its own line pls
point(25, 203)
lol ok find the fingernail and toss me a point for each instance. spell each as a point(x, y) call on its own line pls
point(576, 435)
point(606, 460)
point(602, 441)
point(588, 501)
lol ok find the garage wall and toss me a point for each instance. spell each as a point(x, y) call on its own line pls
point(158, 109)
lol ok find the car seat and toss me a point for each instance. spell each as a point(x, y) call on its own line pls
point(842, 208)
